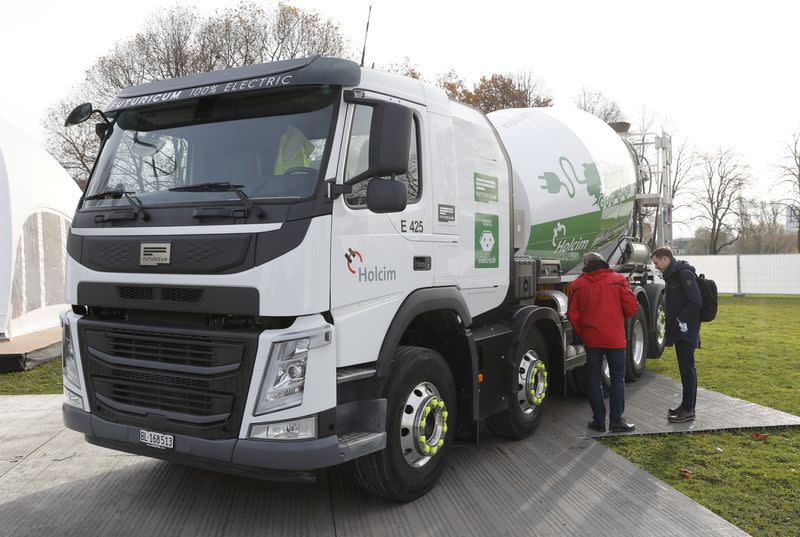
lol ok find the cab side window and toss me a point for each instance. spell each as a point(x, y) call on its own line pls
point(358, 159)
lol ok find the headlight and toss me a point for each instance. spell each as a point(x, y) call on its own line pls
point(284, 380)
point(286, 430)
point(68, 361)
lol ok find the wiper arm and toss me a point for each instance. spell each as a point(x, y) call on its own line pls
point(222, 186)
point(138, 209)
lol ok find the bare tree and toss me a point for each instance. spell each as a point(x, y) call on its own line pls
point(533, 88)
point(405, 68)
point(684, 166)
point(177, 42)
point(453, 85)
point(513, 90)
point(762, 230)
point(722, 177)
point(598, 104)
point(790, 179)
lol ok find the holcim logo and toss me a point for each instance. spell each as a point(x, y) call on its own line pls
point(350, 256)
point(367, 274)
point(565, 246)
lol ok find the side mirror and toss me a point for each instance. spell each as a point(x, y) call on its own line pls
point(389, 140)
point(79, 114)
point(386, 196)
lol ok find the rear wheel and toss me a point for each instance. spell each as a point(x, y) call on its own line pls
point(606, 378)
point(420, 426)
point(582, 378)
point(659, 334)
point(529, 389)
point(637, 346)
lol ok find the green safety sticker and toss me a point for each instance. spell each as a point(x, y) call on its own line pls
point(485, 188)
point(487, 241)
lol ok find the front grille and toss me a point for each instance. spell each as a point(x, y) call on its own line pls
point(192, 295)
point(198, 352)
point(179, 380)
point(135, 293)
point(182, 294)
point(156, 378)
point(173, 401)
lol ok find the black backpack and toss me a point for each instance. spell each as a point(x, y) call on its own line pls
point(708, 292)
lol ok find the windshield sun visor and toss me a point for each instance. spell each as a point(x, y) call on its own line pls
point(314, 71)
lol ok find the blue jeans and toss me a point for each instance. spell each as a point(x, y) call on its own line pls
point(594, 365)
point(685, 352)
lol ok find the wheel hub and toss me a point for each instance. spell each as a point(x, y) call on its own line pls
point(423, 427)
point(661, 325)
point(531, 382)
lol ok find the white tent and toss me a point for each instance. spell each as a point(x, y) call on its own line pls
point(37, 200)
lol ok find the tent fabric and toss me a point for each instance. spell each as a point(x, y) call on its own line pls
point(37, 199)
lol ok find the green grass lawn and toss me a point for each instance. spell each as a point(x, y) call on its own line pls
point(43, 379)
point(751, 352)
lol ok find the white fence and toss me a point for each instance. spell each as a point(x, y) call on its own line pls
point(777, 274)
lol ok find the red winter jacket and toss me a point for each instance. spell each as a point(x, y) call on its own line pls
point(599, 303)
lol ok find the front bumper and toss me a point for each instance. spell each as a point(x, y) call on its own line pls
point(269, 459)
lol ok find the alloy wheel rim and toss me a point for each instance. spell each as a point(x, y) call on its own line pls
point(423, 425)
point(531, 382)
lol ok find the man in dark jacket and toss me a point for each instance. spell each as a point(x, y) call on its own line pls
point(600, 301)
point(683, 325)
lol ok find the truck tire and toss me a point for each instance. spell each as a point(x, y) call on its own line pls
point(606, 378)
point(658, 336)
point(421, 403)
point(636, 349)
point(524, 412)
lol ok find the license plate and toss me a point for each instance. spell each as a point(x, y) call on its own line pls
point(156, 440)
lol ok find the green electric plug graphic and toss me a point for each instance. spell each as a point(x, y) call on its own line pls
point(553, 183)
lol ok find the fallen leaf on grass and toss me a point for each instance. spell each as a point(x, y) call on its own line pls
point(759, 436)
point(719, 449)
point(686, 474)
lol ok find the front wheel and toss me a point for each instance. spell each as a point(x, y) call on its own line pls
point(420, 427)
point(637, 346)
point(528, 392)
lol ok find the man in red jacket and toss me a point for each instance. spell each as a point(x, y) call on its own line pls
point(600, 301)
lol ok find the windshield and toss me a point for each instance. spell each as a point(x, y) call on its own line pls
point(272, 144)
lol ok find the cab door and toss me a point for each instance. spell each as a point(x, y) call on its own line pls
point(377, 259)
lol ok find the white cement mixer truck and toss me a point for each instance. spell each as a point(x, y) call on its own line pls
point(285, 267)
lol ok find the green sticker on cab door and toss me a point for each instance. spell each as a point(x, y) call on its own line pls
point(485, 188)
point(487, 241)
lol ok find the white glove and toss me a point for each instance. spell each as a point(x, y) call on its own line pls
point(683, 327)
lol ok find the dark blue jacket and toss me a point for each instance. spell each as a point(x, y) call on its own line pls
point(683, 303)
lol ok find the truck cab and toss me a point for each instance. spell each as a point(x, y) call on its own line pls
point(284, 267)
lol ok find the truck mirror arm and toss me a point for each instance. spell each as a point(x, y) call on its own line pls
point(337, 190)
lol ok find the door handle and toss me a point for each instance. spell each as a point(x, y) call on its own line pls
point(422, 263)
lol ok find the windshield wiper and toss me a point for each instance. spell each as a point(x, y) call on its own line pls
point(221, 186)
point(138, 209)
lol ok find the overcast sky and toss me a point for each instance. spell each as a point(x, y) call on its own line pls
point(719, 73)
